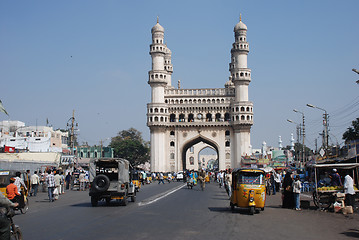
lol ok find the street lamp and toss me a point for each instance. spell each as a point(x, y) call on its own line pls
point(356, 71)
point(325, 124)
point(303, 134)
point(298, 134)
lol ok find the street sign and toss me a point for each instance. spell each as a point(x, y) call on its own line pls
point(321, 152)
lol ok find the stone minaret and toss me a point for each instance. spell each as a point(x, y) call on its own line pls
point(242, 108)
point(157, 110)
point(292, 142)
point(280, 145)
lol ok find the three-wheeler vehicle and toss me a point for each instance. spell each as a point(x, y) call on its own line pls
point(249, 190)
point(324, 195)
point(5, 176)
point(135, 175)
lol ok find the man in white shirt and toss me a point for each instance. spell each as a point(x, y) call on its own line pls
point(82, 181)
point(35, 181)
point(349, 190)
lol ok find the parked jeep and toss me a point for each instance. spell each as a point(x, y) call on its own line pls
point(110, 180)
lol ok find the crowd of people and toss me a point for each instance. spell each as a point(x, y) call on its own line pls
point(53, 181)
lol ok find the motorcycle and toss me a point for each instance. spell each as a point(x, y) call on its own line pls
point(190, 183)
point(15, 231)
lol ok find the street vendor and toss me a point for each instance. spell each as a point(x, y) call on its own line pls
point(335, 178)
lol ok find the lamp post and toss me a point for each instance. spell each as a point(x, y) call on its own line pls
point(325, 125)
point(298, 137)
point(303, 135)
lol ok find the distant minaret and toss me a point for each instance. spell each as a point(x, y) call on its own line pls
point(280, 143)
point(264, 149)
point(291, 142)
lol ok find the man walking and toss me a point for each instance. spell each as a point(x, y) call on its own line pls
point(50, 181)
point(57, 178)
point(349, 190)
point(35, 181)
point(82, 181)
point(68, 180)
point(297, 185)
point(161, 178)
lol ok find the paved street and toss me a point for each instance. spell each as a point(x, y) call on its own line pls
point(171, 212)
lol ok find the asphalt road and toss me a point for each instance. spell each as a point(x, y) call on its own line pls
point(171, 211)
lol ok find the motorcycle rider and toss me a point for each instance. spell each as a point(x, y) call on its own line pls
point(11, 191)
point(19, 182)
point(4, 222)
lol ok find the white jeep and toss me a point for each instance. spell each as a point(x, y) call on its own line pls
point(110, 179)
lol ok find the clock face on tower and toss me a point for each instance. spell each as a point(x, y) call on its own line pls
point(199, 115)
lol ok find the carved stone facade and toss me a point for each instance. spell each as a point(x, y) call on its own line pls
point(180, 118)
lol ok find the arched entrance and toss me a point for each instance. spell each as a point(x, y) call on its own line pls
point(192, 142)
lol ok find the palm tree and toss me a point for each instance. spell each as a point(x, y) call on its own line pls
point(353, 132)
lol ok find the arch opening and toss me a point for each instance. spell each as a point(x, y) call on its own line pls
point(193, 142)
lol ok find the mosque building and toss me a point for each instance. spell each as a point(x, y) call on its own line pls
point(180, 119)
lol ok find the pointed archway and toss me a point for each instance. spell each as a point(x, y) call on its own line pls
point(192, 142)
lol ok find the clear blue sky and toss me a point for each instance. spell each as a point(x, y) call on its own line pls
point(92, 56)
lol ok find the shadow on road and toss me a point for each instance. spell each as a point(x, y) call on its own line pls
point(243, 211)
point(100, 204)
point(41, 201)
point(219, 209)
point(354, 233)
point(81, 205)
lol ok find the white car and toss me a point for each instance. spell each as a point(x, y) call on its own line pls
point(179, 176)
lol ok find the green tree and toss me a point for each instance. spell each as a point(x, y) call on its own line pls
point(353, 132)
point(130, 145)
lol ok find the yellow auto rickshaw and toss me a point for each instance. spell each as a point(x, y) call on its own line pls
point(135, 176)
point(5, 176)
point(249, 190)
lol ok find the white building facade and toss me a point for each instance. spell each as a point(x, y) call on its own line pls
point(30, 138)
point(180, 118)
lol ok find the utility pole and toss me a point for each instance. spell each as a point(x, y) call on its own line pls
point(326, 133)
point(71, 124)
point(325, 130)
point(101, 149)
point(299, 135)
point(303, 137)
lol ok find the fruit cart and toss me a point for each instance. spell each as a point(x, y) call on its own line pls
point(324, 196)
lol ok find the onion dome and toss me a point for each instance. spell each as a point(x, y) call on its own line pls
point(240, 26)
point(157, 28)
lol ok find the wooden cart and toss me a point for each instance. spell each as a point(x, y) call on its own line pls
point(324, 197)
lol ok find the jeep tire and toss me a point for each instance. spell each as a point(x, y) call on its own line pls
point(100, 183)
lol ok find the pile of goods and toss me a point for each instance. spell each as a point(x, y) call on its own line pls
point(334, 188)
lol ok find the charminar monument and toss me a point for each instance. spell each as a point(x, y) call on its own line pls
point(180, 119)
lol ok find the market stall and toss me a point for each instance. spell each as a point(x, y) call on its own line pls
point(325, 193)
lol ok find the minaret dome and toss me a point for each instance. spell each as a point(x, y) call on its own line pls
point(157, 28)
point(240, 26)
